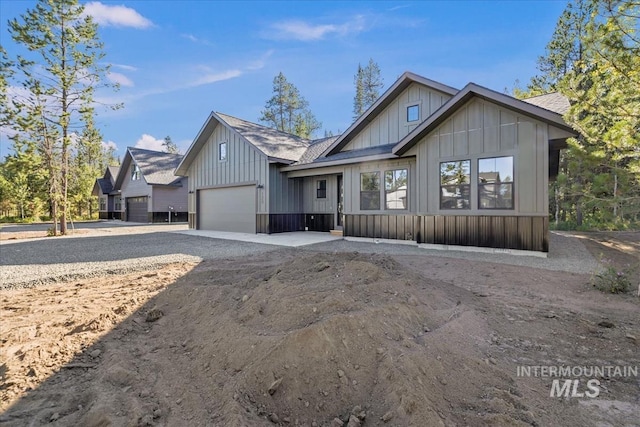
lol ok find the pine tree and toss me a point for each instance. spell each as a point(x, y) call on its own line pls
point(288, 111)
point(358, 99)
point(367, 83)
point(61, 77)
point(169, 146)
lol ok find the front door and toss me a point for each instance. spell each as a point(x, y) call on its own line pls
point(340, 201)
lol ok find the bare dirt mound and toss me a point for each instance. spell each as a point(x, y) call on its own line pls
point(290, 339)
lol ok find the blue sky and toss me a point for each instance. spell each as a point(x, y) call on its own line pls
point(177, 61)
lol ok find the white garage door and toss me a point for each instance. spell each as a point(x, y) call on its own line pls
point(228, 209)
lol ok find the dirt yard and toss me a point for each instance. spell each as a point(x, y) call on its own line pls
point(294, 337)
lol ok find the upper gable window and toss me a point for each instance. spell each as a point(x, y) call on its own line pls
point(413, 113)
point(222, 151)
point(135, 172)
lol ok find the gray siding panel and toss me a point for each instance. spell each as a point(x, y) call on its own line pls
point(244, 164)
point(482, 129)
point(163, 197)
point(391, 124)
point(285, 194)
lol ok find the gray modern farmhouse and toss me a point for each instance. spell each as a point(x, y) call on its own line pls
point(426, 163)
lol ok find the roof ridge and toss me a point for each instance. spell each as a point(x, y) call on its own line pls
point(264, 127)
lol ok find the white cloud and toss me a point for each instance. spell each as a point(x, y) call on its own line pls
point(210, 77)
point(305, 31)
point(125, 67)
point(116, 16)
point(109, 145)
point(260, 62)
point(120, 79)
point(195, 39)
point(149, 142)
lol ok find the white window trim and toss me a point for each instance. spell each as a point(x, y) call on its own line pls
point(226, 151)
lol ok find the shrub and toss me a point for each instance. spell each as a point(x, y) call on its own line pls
point(613, 280)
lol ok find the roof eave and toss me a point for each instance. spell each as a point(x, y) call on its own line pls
point(327, 163)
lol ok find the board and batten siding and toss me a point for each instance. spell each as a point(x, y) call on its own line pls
point(314, 205)
point(285, 194)
point(352, 185)
point(391, 124)
point(165, 196)
point(244, 164)
point(482, 129)
point(137, 188)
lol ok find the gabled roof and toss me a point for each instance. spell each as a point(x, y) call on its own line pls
point(473, 90)
point(113, 172)
point(383, 102)
point(156, 166)
point(276, 145)
point(315, 149)
point(555, 101)
point(105, 184)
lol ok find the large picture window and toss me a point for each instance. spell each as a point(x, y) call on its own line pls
point(455, 185)
point(495, 183)
point(370, 191)
point(395, 189)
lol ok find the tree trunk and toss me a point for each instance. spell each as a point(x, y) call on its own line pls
point(615, 196)
point(557, 213)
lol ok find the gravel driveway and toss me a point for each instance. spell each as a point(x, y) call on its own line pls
point(31, 262)
point(120, 250)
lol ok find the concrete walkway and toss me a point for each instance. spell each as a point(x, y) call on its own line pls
point(292, 239)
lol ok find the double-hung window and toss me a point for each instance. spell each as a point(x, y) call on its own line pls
point(370, 191)
point(321, 189)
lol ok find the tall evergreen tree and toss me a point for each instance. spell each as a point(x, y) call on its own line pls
point(288, 111)
point(169, 146)
point(61, 77)
point(367, 83)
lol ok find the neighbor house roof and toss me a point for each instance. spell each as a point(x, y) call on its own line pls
point(156, 166)
point(383, 102)
point(276, 145)
point(555, 101)
point(105, 184)
point(468, 92)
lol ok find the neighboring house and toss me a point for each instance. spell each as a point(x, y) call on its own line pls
point(149, 190)
point(425, 163)
point(109, 202)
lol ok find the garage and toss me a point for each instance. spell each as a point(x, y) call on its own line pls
point(137, 209)
point(228, 209)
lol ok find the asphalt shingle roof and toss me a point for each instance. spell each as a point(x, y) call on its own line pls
point(157, 167)
point(316, 148)
point(105, 185)
point(271, 142)
point(555, 101)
